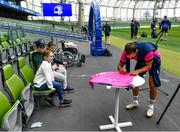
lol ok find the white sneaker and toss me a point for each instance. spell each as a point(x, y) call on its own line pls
point(131, 106)
point(149, 113)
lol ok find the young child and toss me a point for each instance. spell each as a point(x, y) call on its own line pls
point(44, 79)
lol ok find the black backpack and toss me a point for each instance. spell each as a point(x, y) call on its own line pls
point(143, 35)
point(107, 53)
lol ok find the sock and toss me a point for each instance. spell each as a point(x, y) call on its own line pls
point(151, 104)
point(135, 100)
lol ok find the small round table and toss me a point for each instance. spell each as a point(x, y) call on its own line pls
point(136, 81)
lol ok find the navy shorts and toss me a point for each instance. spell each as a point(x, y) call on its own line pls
point(107, 34)
point(154, 72)
point(165, 30)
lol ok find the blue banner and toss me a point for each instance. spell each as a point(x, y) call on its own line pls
point(18, 8)
point(54, 9)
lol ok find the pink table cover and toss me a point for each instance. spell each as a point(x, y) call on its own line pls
point(112, 78)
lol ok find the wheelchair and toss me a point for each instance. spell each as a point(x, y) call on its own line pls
point(64, 57)
point(71, 52)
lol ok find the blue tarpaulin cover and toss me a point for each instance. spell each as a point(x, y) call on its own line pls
point(95, 30)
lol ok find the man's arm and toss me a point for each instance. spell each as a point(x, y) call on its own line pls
point(144, 69)
point(169, 24)
point(103, 28)
point(121, 68)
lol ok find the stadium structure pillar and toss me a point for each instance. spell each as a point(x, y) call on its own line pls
point(134, 8)
point(155, 10)
point(81, 14)
point(62, 2)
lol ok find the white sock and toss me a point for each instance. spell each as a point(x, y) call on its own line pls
point(151, 104)
point(135, 100)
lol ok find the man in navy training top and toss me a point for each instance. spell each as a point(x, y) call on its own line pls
point(148, 59)
point(165, 25)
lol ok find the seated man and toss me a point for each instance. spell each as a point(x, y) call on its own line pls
point(37, 54)
point(37, 59)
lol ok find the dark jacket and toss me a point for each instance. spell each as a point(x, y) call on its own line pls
point(36, 59)
point(107, 29)
point(153, 26)
point(133, 26)
point(165, 24)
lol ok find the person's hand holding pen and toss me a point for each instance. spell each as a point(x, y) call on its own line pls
point(122, 70)
point(133, 73)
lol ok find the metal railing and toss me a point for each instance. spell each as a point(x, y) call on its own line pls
point(61, 33)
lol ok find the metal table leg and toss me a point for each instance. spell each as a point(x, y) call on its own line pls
point(114, 120)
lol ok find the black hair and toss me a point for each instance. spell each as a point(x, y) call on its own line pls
point(40, 43)
point(62, 41)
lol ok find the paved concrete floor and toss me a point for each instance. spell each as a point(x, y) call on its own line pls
point(91, 107)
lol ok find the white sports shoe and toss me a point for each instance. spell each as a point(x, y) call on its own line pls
point(131, 106)
point(149, 113)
